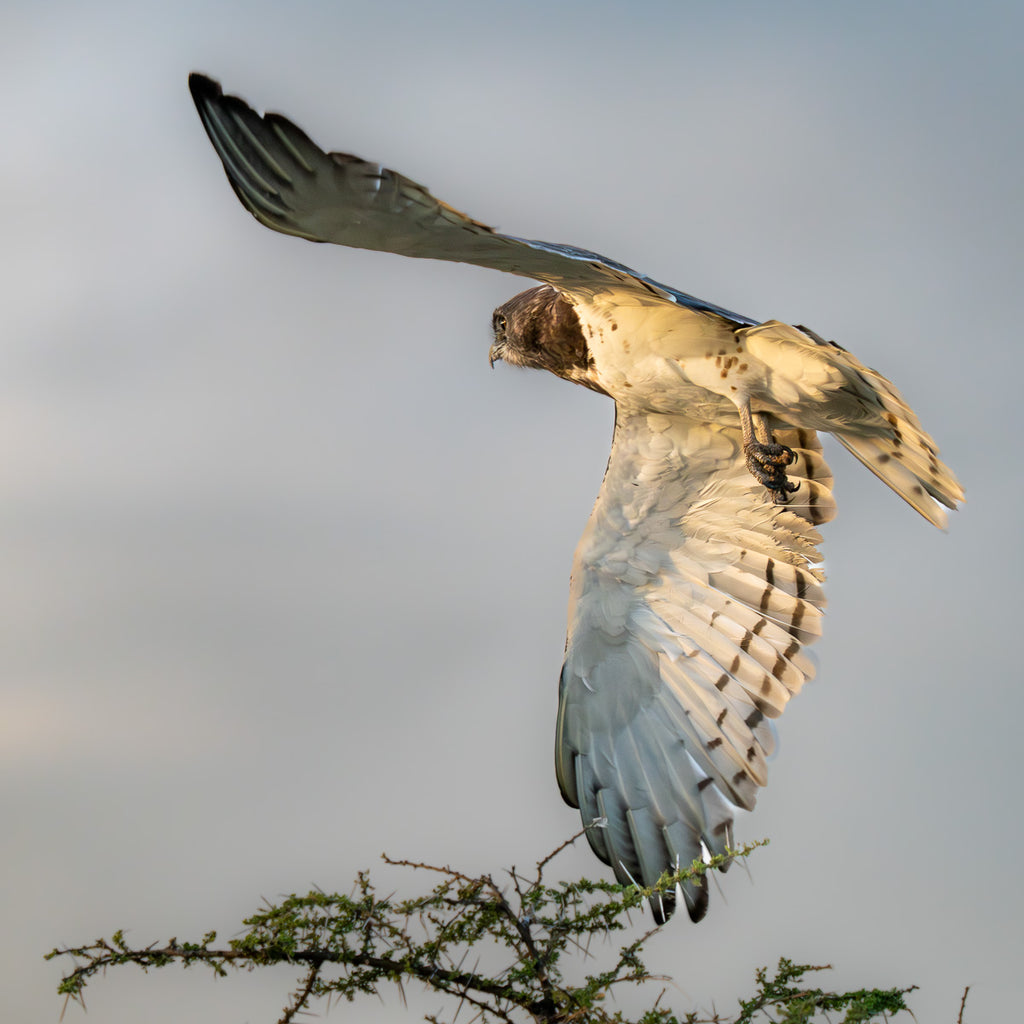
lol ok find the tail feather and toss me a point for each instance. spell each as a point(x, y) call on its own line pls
point(921, 487)
point(903, 456)
point(871, 419)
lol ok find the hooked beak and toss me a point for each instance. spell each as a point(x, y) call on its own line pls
point(495, 354)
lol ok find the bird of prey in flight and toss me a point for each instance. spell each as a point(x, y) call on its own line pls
point(696, 585)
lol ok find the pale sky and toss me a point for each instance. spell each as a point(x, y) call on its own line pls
point(286, 563)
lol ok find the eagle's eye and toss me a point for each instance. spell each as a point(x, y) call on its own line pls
point(499, 323)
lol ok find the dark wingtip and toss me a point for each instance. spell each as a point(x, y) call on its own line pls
point(698, 911)
point(663, 906)
point(697, 901)
point(203, 87)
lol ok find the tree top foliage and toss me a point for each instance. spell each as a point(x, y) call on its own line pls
point(519, 948)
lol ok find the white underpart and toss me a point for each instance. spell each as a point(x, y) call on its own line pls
point(672, 359)
point(650, 354)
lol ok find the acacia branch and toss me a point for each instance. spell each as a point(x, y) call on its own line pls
point(302, 997)
point(436, 976)
point(963, 1003)
point(532, 925)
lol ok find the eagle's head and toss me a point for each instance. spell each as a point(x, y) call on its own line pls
point(539, 328)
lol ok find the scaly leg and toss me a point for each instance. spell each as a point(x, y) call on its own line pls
point(766, 460)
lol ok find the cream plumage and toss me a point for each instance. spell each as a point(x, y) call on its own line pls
point(695, 586)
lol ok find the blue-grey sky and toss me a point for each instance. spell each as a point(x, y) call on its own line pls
point(286, 563)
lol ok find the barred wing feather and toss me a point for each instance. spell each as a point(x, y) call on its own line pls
point(692, 600)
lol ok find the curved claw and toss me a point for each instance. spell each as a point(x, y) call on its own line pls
point(766, 460)
point(767, 463)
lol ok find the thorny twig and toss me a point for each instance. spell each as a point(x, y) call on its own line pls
point(522, 936)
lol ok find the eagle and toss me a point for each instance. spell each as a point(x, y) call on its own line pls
point(696, 585)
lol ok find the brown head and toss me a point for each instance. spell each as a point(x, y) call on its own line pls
point(539, 328)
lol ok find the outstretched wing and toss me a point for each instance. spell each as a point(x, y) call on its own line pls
point(692, 600)
point(290, 185)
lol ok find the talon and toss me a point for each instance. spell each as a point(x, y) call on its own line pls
point(765, 459)
point(767, 463)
